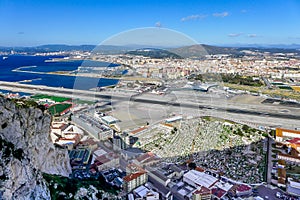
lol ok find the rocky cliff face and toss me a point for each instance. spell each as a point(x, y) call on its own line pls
point(26, 151)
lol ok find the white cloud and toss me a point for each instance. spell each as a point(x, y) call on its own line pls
point(234, 34)
point(222, 14)
point(193, 17)
point(244, 11)
point(252, 35)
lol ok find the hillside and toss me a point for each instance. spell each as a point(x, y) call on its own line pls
point(26, 152)
point(202, 50)
point(154, 53)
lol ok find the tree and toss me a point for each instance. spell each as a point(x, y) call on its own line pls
point(192, 165)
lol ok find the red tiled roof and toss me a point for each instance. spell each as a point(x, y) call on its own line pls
point(135, 168)
point(199, 169)
point(152, 159)
point(88, 142)
point(138, 130)
point(294, 141)
point(169, 125)
point(203, 191)
point(133, 176)
point(103, 160)
point(242, 188)
point(144, 156)
point(218, 192)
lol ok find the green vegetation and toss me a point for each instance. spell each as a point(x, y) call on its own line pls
point(24, 103)
point(293, 170)
point(58, 184)
point(265, 134)
point(53, 98)
point(174, 130)
point(208, 77)
point(290, 94)
point(241, 80)
point(273, 133)
point(230, 78)
point(155, 53)
point(58, 108)
point(3, 177)
point(8, 149)
point(207, 118)
point(18, 154)
point(285, 87)
point(275, 151)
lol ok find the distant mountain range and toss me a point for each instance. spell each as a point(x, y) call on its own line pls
point(50, 48)
point(202, 50)
point(159, 52)
point(155, 53)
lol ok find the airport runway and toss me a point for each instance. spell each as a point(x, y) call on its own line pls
point(261, 110)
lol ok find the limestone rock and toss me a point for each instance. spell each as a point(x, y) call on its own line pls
point(26, 151)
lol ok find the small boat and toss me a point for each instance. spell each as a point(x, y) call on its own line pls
point(4, 58)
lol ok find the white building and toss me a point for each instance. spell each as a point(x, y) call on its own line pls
point(196, 178)
point(293, 187)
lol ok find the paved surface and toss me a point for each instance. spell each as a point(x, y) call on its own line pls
point(267, 193)
point(269, 161)
point(178, 102)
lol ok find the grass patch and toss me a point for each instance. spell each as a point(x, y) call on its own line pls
point(290, 94)
point(58, 108)
point(293, 170)
point(276, 151)
point(207, 118)
point(53, 98)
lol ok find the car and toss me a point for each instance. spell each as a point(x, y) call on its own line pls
point(278, 194)
point(258, 198)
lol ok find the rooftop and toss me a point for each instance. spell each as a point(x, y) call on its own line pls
point(133, 176)
point(218, 192)
point(202, 191)
point(141, 191)
point(199, 169)
point(243, 188)
point(159, 174)
point(201, 178)
point(99, 152)
point(89, 141)
point(110, 119)
point(147, 157)
point(294, 141)
point(138, 130)
point(294, 184)
point(134, 168)
point(224, 186)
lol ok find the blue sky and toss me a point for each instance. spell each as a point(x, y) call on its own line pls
point(36, 22)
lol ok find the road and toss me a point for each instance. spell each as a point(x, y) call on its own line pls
point(267, 193)
point(269, 161)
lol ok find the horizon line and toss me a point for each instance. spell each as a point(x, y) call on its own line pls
point(131, 45)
